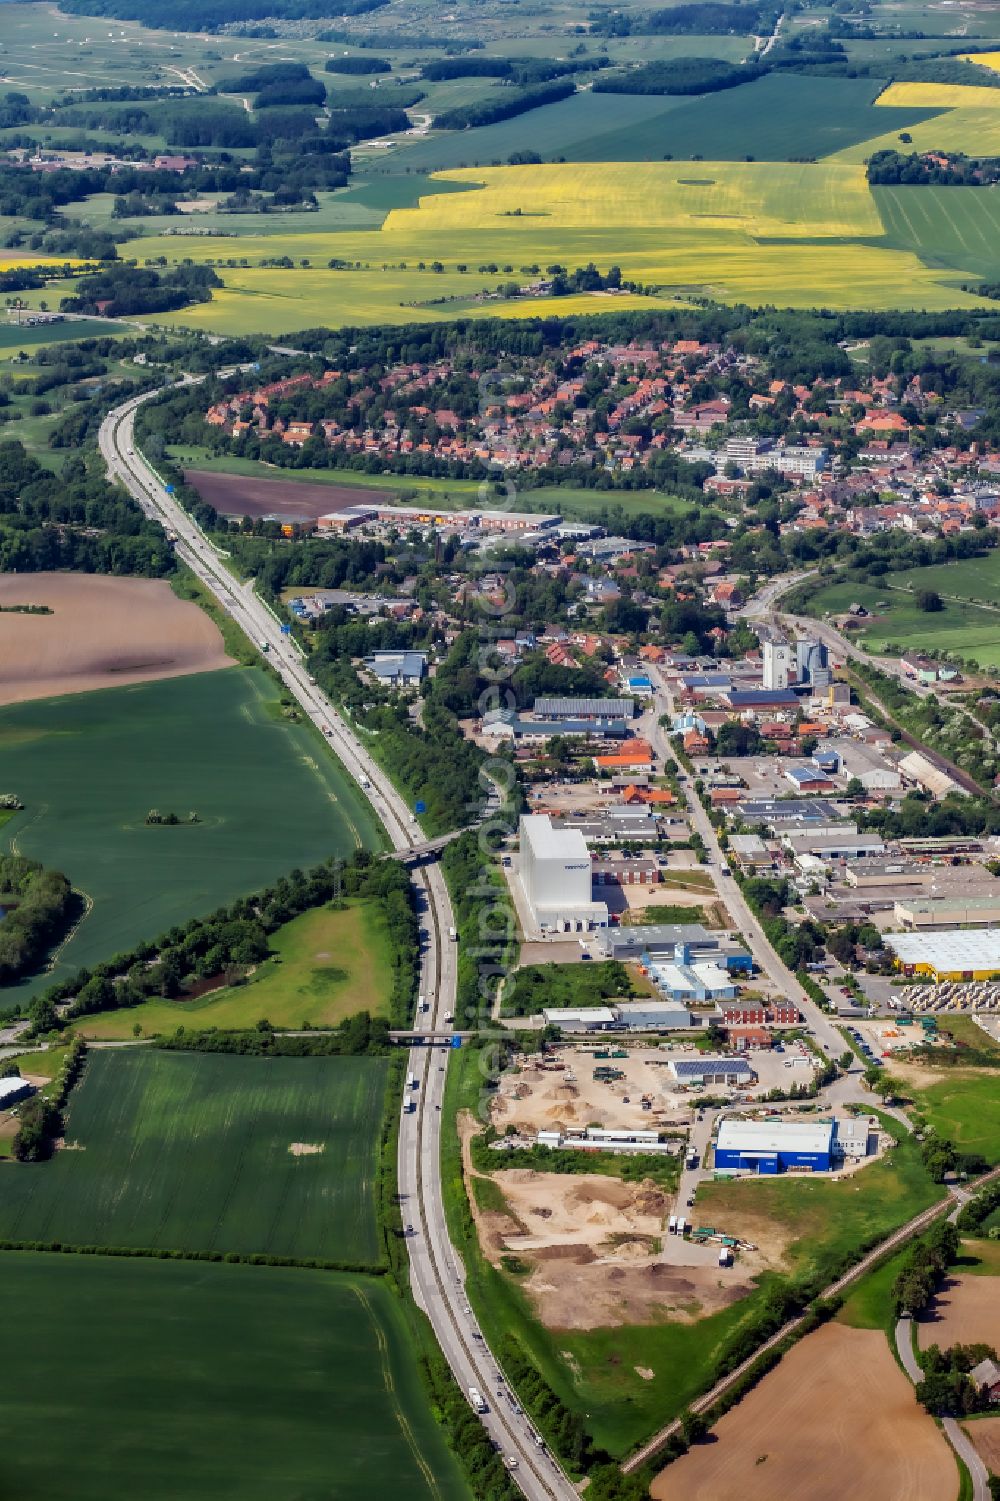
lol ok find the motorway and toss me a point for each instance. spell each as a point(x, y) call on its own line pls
point(437, 1274)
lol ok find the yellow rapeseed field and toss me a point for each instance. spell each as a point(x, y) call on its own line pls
point(984, 59)
point(938, 96)
point(795, 234)
point(968, 120)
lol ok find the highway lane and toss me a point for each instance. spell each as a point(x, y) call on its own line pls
point(437, 1274)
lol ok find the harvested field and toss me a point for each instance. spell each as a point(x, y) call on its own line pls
point(985, 1435)
point(836, 1421)
point(966, 1311)
point(101, 632)
point(285, 500)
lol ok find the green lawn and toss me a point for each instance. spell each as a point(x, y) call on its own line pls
point(192, 1151)
point(89, 767)
point(868, 1305)
point(216, 1383)
point(327, 964)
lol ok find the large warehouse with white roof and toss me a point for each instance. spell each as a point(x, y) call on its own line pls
point(948, 954)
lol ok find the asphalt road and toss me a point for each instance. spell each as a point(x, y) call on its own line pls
point(822, 1028)
point(437, 1275)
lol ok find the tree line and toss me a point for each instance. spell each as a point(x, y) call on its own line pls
point(231, 941)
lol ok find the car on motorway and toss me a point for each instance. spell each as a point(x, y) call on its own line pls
point(511, 1462)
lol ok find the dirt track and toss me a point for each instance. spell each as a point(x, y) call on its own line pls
point(102, 632)
point(286, 499)
point(835, 1421)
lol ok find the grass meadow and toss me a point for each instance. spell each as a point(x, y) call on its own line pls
point(216, 1383)
point(326, 964)
point(89, 767)
point(193, 1152)
point(965, 1107)
point(961, 628)
point(825, 1220)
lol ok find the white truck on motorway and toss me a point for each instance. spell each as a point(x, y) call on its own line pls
point(411, 1081)
point(452, 934)
point(477, 1401)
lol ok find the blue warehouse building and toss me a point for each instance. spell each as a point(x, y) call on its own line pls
point(775, 1146)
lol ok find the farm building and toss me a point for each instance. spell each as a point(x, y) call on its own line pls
point(711, 1070)
point(13, 1090)
point(963, 954)
point(774, 1146)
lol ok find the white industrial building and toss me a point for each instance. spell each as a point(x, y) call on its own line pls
point(14, 1089)
point(779, 661)
point(581, 1018)
point(680, 980)
point(958, 954)
point(556, 877)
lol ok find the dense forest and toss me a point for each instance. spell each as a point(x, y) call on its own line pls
point(73, 519)
point(504, 106)
point(39, 905)
point(679, 75)
point(121, 291)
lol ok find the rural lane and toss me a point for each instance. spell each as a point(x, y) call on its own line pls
point(955, 1435)
point(436, 1271)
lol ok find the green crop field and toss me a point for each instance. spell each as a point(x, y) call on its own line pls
point(960, 628)
point(778, 117)
point(953, 227)
point(89, 767)
point(199, 1152)
point(215, 1383)
point(327, 964)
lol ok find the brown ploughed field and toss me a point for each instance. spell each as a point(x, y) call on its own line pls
point(102, 632)
point(965, 1312)
point(284, 499)
point(835, 1421)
